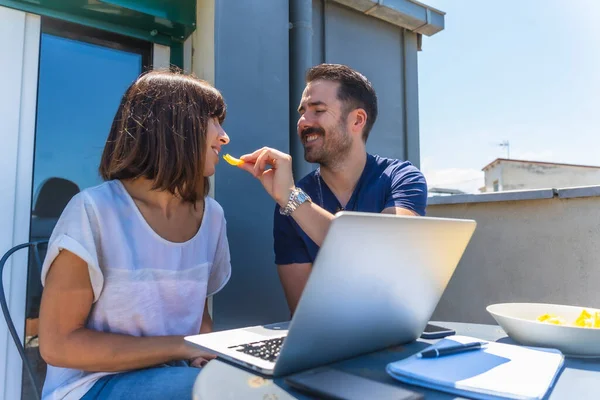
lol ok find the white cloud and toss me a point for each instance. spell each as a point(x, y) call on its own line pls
point(464, 179)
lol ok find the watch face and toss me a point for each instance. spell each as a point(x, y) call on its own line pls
point(302, 197)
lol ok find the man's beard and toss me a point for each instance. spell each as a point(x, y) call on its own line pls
point(335, 147)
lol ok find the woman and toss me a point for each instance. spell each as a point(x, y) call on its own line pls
point(131, 262)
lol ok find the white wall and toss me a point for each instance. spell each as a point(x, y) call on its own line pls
point(491, 175)
point(515, 175)
point(199, 59)
point(535, 250)
point(19, 47)
point(203, 41)
point(533, 176)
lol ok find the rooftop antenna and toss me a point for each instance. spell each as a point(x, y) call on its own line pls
point(506, 144)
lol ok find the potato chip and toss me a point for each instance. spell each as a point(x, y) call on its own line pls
point(545, 317)
point(584, 319)
point(551, 319)
point(232, 160)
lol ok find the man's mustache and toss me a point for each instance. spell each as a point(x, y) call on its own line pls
point(311, 130)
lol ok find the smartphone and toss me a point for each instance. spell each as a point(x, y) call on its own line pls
point(436, 332)
point(328, 383)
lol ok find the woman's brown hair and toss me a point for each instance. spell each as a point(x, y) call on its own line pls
point(159, 133)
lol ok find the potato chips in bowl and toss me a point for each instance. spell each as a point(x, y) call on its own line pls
point(585, 320)
point(573, 330)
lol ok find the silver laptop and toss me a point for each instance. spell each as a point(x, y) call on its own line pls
point(375, 283)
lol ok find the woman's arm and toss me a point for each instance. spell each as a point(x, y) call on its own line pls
point(66, 342)
point(207, 323)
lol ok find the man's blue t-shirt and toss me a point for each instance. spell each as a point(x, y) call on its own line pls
point(384, 183)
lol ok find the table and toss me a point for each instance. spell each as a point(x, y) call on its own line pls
point(221, 380)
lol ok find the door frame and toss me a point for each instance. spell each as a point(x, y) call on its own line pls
point(18, 102)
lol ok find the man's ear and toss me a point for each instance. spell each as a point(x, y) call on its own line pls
point(358, 120)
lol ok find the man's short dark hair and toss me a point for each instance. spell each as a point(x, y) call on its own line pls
point(159, 133)
point(355, 90)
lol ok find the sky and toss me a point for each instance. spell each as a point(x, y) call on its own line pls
point(525, 71)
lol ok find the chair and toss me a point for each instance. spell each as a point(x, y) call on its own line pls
point(33, 247)
point(52, 197)
point(49, 201)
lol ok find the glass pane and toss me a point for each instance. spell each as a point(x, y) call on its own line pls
point(79, 91)
point(80, 87)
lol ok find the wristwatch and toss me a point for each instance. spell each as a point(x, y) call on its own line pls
point(297, 197)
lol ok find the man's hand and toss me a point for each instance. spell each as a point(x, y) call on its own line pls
point(278, 181)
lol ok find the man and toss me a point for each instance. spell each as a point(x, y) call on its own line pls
point(337, 111)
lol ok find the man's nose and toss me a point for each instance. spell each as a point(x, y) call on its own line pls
point(303, 123)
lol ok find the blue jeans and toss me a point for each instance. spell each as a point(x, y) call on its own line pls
point(152, 383)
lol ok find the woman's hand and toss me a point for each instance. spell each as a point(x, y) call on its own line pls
point(201, 361)
point(199, 358)
point(277, 180)
point(196, 356)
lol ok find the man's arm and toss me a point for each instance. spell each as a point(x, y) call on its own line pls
point(274, 169)
point(408, 192)
point(293, 278)
point(315, 220)
point(399, 211)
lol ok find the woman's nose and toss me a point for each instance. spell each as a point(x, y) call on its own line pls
point(223, 137)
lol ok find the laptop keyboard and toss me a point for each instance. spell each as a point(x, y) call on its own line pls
point(265, 349)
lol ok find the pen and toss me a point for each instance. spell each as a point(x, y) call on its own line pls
point(444, 351)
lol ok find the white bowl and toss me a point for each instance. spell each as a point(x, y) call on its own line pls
point(519, 321)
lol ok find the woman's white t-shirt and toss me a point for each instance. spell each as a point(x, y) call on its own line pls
point(143, 284)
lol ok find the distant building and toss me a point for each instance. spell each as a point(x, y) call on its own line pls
point(437, 191)
point(506, 174)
